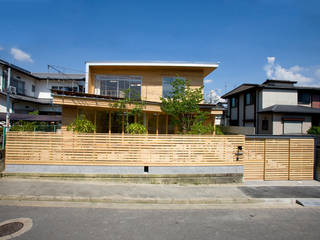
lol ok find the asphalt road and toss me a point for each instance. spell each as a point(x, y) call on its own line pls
point(282, 191)
point(145, 224)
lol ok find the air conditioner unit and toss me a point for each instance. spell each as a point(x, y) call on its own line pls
point(12, 90)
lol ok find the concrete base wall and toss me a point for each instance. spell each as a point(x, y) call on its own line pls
point(79, 169)
point(123, 174)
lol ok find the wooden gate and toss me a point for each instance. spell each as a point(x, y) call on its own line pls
point(279, 159)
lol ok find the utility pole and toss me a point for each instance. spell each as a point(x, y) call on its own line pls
point(8, 100)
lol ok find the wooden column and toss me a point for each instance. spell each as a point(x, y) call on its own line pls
point(109, 122)
point(157, 124)
point(146, 121)
point(167, 123)
point(95, 120)
point(122, 122)
point(214, 124)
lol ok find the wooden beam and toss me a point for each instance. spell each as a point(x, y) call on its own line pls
point(147, 118)
point(109, 122)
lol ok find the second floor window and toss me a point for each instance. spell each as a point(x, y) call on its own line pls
point(19, 85)
point(120, 85)
point(303, 98)
point(233, 102)
point(166, 85)
point(249, 99)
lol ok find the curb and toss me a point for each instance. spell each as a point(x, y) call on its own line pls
point(150, 200)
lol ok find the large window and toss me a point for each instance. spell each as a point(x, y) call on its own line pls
point(119, 85)
point(166, 85)
point(19, 85)
point(249, 99)
point(303, 98)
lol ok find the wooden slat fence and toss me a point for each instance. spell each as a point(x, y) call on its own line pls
point(279, 159)
point(117, 149)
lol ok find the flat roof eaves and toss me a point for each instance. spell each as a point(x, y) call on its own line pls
point(154, 64)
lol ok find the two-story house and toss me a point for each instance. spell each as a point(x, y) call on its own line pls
point(107, 82)
point(274, 107)
point(32, 91)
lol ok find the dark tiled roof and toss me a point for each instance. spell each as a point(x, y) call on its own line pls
point(270, 84)
point(29, 117)
point(58, 76)
point(290, 109)
point(271, 81)
point(44, 76)
point(241, 88)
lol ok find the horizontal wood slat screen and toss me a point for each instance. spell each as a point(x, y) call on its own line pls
point(279, 159)
point(254, 159)
point(127, 150)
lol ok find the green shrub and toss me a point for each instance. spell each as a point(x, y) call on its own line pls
point(314, 130)
point(219, 130)
point(136, 128)
point(81, 125)
point(199, 128)
point(23, 126)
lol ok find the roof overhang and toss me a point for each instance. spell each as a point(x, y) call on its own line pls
point(207, 68)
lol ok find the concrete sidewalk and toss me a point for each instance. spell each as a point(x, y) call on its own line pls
point(98, 191)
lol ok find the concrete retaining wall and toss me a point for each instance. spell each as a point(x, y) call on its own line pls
point(139, 174)
point(239, 130)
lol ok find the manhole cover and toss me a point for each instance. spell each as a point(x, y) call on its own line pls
point(10, 228)
point(14, 227)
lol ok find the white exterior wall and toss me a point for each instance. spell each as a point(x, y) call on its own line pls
point(3, 104)
point(278, 96)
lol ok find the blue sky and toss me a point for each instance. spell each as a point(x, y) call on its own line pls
point(239, 34)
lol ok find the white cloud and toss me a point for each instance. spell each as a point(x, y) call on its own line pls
point(207, 80)
point(213, 97)
point(276, 71)
point(317, 73)
point(20, 55)
point(1, 48)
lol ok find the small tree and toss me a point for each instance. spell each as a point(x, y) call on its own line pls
point(81, 125)
point(182, 105)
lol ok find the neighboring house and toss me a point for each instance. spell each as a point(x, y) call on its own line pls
point(274, 107)
point(107, 82)
point(32, 91)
